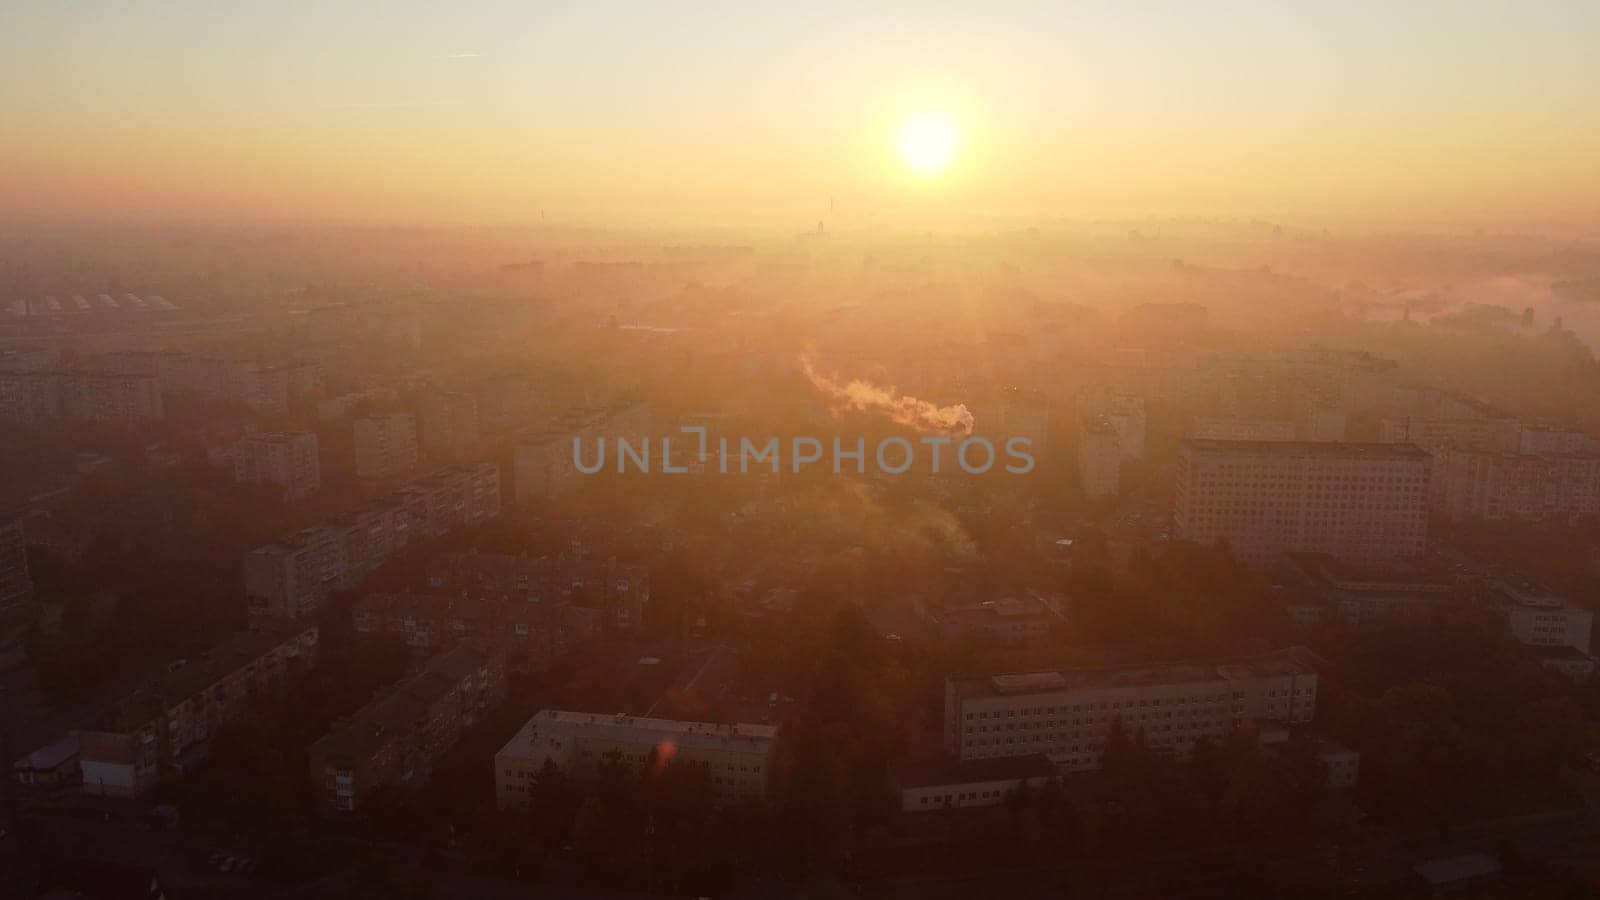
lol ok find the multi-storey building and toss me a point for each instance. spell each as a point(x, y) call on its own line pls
point(737, 758)
point(394, 740)
point(1026, 414)
point(17, 609)
point(622, 590)
point(262, 386)
point(1219, 429)
point(1099, 458)
point(285, 459)
point(16, 587)
point(1486, 484)
point(1541, 618)
point(1068, 715)
point(292, 577)
point(78, 396)
point(154, 730)
point(448, 425)
point(1435, 435)
point(426, 623)
point(385, 445)
point(1365, 503)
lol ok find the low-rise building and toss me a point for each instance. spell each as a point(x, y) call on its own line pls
point(1008, 622)
point(52, 766)
point(737, 758)
point(1327, 589)
point(930, 787)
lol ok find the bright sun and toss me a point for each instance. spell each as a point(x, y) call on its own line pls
point(928, 142)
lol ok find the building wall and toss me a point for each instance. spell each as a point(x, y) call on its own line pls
point(1072, 725)
point(1363, 503)
point(385, 445)
point(965, 795)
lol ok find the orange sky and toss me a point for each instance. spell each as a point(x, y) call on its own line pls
point(498, 111)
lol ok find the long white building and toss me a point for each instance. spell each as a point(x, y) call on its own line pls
point(737, 758)
point(1067, 715)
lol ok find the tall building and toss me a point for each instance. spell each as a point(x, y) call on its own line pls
point(285, 459)
point(1364, 503)
point(385, 445)
point(1099, 458)
point(1026, 414)
point(1067, 715)
point(738, 758)
point(448, 425)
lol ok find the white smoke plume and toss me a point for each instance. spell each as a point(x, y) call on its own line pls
point(864, 396)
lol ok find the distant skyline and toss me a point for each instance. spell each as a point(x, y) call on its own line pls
point(700, 114)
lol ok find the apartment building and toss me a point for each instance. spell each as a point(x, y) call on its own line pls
point(1099, 459)
point(1488, 484)
point(738, 758)
point(448, 425)
point(287, 460)
point(385, 445)
point(29, 398)
point(16, 586)
point(1542, 618)
point(1222, 429)
point(1435, 434)
point(291, 578)
point(1067, 715)
point(160, 728)
point(395, 740)
point(1364, 503)
point(17, 608)
point(618, 589)
point(1025, 414)
point(264, 387)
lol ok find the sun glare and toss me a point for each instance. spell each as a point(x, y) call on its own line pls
point(928, 142)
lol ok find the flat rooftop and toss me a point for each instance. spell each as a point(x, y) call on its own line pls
point(1056, 681)
point(549, 728)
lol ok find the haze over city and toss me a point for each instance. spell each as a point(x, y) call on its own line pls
point(790, 451)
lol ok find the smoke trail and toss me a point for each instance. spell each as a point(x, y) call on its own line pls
point(864, 396)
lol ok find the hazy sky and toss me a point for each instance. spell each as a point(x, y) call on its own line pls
point(494, 111)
